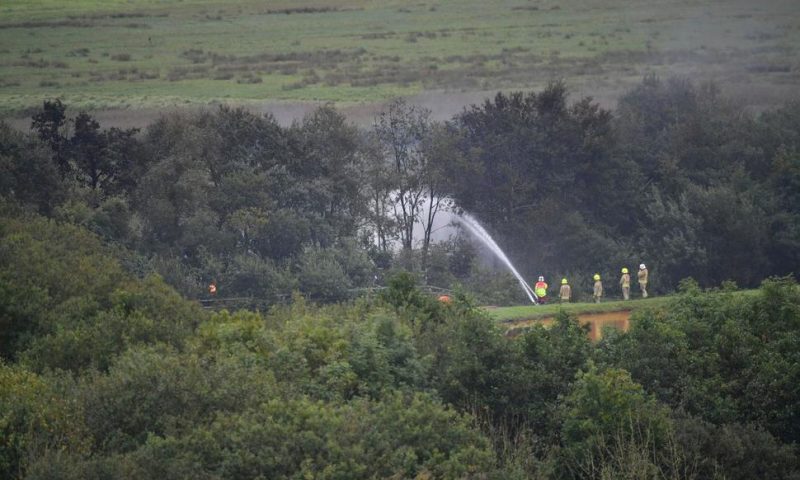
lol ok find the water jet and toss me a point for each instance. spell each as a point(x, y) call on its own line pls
point(475, 228)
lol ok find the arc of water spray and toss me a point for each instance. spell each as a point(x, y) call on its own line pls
point(478, 231)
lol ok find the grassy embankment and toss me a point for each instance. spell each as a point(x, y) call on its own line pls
point(533, 312)
point(529, 312)
point(152, 54)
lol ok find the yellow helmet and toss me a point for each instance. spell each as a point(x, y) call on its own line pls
point(563, 281)
point(596, 276)
point(624, 270)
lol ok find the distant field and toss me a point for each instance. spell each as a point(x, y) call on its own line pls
point(119, 54)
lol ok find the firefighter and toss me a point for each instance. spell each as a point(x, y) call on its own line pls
point(566, 292)
point(598, 288)
point(625, 283)
point(642, 276)
point(540, 289)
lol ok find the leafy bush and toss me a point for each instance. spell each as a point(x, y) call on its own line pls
point(45, 265)
point(612, 427)
point(322, 277)
point(156, 390)
point(34, 419)
point(726, 358)
point(402, 436)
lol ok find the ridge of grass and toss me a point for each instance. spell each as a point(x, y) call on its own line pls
point(529, 312)
point(532, 312)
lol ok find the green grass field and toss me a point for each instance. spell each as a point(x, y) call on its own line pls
point(532, 312)
point(529, 312)
point(118, 54)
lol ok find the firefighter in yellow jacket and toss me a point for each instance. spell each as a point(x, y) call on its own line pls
point(566, 292)
point(625, 283)
point(597, 293)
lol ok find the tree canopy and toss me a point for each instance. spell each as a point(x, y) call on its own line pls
point(109, 238)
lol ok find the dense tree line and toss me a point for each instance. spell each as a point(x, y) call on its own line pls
point(104, 375)
point(678, 176)
point(108, 371)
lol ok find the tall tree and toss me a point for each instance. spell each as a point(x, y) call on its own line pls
point(402, 129)
point(441, 153)
point(530, 162)
point(27, 171)
point(329, 161)
point(125, 153)
point(379, 186)
point(88, 150)
point(50, 125)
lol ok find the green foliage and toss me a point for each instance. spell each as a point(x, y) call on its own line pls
point(335, 353)
point(677, 176)
point(67, 303)
point(34, 419)
point(87, 335)
point(403, 386)
point(550, 360)
point(734, 451)
point(50, 125)
point(494, 287)
point(408, 301)
point(246, 213)
point(301, 390)
point(403, 436)
point(607, 414)
point(707, 212)
point(512, 388)
point(110, 218)
point(654, 351)
point(725, 358)
point(252, 276)
point(477, 371)
point(27, 172)
point(155, 390)
point(322, 276)
point(121, 377)
point(46, 265)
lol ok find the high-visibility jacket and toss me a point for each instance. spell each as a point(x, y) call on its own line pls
point(540, 289)
point(625, 281)
point(598, 288)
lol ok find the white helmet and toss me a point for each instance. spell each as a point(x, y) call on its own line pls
point(642, 267)
point(541, 279)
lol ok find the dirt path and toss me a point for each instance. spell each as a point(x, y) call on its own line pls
point(597, 321)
